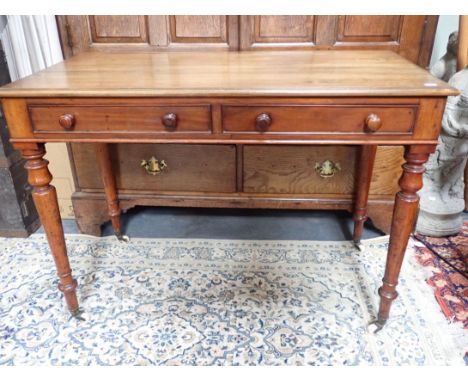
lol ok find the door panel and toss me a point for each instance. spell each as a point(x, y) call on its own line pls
point(284, 28)
point(115, 29)
point(198, 28)
point(267, 32)
point(369, 28)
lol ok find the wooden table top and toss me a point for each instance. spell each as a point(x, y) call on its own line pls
point(239, 74)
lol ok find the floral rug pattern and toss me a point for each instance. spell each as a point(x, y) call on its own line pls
point(449, 282)
point(217, 302)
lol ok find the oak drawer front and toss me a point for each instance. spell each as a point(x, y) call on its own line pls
point(297, 169)
point(164, 119)
point(191, 168)
point(293, 170)
point(318, 119)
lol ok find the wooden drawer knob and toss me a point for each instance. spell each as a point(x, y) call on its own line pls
point(263, 121)
point(67, 121)
point(169, 120)
point(373, 122)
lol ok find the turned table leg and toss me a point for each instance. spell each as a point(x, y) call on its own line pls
point(364, 177)
point(404, 216)
point(45, 199)
point(110, 188)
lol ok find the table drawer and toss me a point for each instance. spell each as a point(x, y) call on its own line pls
point(131, 118)
point(186, 168)
point(319, 119)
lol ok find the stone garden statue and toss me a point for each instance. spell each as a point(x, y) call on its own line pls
point(446, 66)
point(442, 200)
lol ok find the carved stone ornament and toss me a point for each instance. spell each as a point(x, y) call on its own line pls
point(442, 201)
point(446, 66)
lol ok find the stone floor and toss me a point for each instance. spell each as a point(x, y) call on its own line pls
point(165, 222)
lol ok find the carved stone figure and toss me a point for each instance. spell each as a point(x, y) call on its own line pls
point(446, 66)
point(442, 199)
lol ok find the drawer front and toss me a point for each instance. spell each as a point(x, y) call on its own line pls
point(318, 119)
point(192, 168)
point(293, 170)
point(133, 118)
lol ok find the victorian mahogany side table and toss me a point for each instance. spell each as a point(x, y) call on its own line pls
point(365, 98)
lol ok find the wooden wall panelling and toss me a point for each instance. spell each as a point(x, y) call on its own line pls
point(74, 34)
point(273, 32)
point(427, 43)
point(202, 32)
point(150, 33)
point(199, 28)
point(108, 29)
point(369, 29)
point(410, 36)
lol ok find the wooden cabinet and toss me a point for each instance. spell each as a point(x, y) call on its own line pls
point(243, 176)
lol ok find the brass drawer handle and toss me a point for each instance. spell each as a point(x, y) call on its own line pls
point(373, 123)
point(67, 121)
point(327, 168)
point(169, 120)
point(153, 166)
point(263, 121)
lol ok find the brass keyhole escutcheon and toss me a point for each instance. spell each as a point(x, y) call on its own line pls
point(153, 166)
point(327, 168)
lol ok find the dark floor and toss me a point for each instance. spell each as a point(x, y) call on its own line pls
point(166, 222)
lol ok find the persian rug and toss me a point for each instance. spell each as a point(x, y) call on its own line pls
point(447, 258)
point(217, 302)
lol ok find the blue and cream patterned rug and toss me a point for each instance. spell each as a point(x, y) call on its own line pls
point(215, 302)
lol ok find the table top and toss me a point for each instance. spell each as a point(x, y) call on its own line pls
point(238, 74)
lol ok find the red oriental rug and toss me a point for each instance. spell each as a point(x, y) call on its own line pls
point(447, 258)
